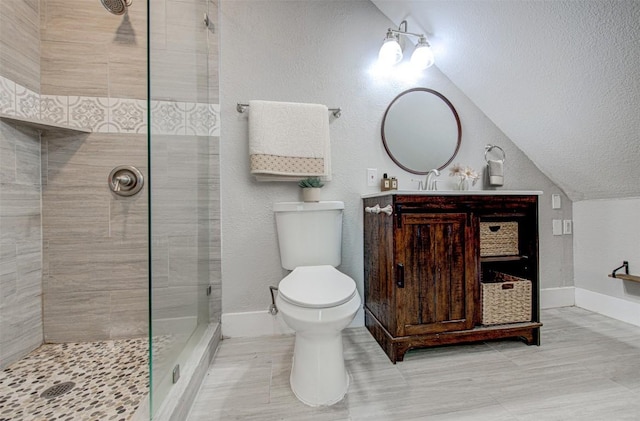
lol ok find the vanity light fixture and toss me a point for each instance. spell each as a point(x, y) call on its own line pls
point(391, 52)
point(422, 57)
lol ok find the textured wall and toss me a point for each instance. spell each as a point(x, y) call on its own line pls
point(20, 227)
point(307, 52)
point(559, 77)
point(606, 233)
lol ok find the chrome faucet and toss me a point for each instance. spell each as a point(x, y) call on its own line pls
point(430, 181)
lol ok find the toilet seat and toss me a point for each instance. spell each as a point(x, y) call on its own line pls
point(317, 287)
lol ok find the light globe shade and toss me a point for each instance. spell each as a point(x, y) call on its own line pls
point(390, 52)
point(422, 57)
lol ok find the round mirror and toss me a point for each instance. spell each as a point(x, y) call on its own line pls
point(421, 130)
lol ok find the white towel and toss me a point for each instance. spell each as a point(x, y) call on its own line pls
point(289, 141)
point(496, 172)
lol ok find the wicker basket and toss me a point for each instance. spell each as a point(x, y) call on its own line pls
point(508, 301)
point(498, 238)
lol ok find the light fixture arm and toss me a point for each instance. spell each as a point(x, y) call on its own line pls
point(397, 31)
point(400, 31)
point(391, 50)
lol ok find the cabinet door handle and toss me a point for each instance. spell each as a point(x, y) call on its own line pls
point(400, 275)
point(377, 209)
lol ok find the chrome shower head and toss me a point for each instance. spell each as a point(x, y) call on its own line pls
point(117, 7)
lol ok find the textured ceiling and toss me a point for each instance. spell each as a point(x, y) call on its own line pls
point(560, 78)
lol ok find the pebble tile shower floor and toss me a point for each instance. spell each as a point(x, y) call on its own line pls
point(111, 379)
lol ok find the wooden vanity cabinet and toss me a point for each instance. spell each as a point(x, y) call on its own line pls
point(423, 269)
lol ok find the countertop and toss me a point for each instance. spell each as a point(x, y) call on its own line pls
point(455, 193)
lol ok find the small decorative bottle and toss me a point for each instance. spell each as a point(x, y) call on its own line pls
point(385, 183)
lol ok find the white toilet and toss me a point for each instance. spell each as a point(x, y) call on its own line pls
point(315, 299)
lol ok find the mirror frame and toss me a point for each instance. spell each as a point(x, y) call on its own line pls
point(455, 114)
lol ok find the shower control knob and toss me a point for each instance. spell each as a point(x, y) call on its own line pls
point(125, 180)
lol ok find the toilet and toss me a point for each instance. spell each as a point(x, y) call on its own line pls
point(315, 300)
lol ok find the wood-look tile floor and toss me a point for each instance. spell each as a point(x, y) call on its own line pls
point(587, 368)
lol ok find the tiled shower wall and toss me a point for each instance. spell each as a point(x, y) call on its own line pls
point(185, 207)
point(94, 244)
point(20, 228)
point(95, 274)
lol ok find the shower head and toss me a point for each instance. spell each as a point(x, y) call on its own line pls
point(117, 7)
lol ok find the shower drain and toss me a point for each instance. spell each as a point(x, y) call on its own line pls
point(57, 390)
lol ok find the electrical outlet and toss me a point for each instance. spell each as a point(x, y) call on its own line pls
point(567, 226)
point(557, 227)
point(372, 177)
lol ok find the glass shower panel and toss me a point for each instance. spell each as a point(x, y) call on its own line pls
point(182, 234)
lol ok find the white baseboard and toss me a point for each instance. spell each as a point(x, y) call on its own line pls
point(557, 297)
point(616, 308)
point(251, 324)
point(262, 323)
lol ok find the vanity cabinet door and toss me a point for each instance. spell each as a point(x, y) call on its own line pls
point(434, 273)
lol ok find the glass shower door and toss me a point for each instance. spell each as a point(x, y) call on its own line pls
point(183, 184)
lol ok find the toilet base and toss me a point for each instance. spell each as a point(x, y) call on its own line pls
point(318, 374)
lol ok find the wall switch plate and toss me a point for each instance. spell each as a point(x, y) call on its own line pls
point(556, 203)
point(567, 226)
point(557, 227)
point(372, 177)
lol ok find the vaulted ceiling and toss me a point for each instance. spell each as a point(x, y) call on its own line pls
point(560, 78)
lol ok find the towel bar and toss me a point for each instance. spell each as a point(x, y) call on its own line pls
point(241, 108)
point(489, 148)
point(625, 275)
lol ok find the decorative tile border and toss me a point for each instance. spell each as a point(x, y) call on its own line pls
point(27, 102)
point(197, 118)
point(167, 118)
point(54, 109)
point(7, 96)
point(214, 128)
point(89, 113)
point(127, 115)
point(111, 115)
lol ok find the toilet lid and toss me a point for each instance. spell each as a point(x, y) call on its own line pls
point(317, 287)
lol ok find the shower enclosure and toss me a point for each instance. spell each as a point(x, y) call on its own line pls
point(120, 287)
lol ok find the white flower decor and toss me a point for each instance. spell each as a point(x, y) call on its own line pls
point(464, 174)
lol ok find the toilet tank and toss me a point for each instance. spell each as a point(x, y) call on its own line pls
point(309, 233)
